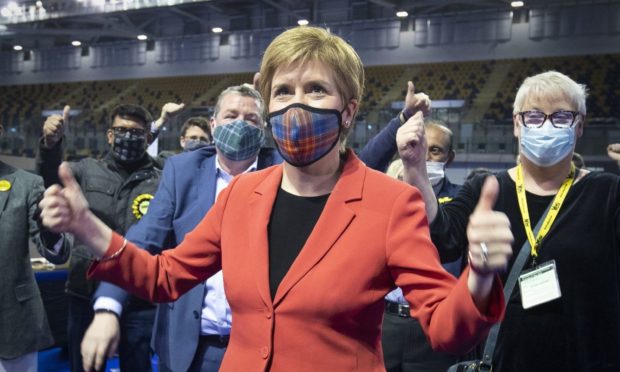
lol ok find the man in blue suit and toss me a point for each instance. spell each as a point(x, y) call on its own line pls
point(191, 334)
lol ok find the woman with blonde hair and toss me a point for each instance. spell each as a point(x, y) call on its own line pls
point(564, 313)
point(308, 248)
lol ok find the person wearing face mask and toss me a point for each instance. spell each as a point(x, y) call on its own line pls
point(200, 320)
point(204, 343)
point(310, 247)
point(440, 154)
point(404, 343)
point(118, 189)
point(563, 314)
point(195, 133)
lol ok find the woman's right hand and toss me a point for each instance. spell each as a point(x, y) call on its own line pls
point(65, 209)
point(490, 243)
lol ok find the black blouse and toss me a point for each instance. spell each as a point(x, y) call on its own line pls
point(581, 330)
point(292, 220)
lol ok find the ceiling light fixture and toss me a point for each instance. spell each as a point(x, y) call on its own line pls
point(142, 37)
point(303, 22)
point(76, 43)
point(402, 14)
point(217, 30)
point(517, 4)
point(18, 47)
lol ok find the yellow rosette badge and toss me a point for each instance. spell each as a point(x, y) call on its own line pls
point(140, 205)
point(5, 185)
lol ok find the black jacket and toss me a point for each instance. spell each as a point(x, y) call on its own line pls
point(118, 197)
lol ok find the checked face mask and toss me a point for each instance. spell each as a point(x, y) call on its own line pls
point(238, 140)
point(304, 134)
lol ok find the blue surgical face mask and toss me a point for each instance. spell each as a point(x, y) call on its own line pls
point(547, 145)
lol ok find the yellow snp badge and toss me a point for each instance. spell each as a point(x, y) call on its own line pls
point(5, 185)
point(444, 200)
point(140, 205)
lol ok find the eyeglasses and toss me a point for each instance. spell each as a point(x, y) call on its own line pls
point(121, 131)
point(559, 119)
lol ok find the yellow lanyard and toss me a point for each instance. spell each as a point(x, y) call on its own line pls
point(553, 211)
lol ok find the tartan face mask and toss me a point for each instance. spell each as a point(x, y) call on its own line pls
point(304, 134)
point(238, 140)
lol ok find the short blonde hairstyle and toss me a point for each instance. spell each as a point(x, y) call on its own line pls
point(303, 44)
point(551, 83)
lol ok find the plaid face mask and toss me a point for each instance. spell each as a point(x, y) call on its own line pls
point(304, 134)
point(238, 140)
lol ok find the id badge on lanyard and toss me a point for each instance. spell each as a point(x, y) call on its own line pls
point(539, 285)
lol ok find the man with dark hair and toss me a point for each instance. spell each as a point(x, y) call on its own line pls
point(195, 133)
point(118, 189)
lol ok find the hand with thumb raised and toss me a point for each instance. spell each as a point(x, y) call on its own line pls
point(55, 126)
point(64, 209)
point(416, 102)
point(489, 234)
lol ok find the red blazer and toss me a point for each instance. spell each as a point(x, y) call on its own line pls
point(327, 311)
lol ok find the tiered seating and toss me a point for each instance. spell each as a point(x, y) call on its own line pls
point(21, 106)
point(452, 81)
point(379, 81)
point(599, 73)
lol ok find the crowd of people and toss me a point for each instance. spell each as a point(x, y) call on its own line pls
point(234, 256)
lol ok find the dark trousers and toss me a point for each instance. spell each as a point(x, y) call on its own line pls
point(406, 348)
point(134, 347)
point(209, 355)
point(80, 316)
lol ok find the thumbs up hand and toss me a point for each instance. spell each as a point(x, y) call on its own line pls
point(489, 234)
point(415, 102)
point(54, 127)
point(411, 142)
point(64, 209)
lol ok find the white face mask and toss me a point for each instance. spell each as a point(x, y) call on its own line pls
point(547, 145)
point(435, 171)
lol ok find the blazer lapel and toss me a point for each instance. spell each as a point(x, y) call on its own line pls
point(260, 205)
point(332, 223)
point(207, 185)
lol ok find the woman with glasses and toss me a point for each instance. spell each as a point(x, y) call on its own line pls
point(564, 314)
point(308, 248)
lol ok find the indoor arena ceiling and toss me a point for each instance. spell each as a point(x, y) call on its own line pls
point(47, 23)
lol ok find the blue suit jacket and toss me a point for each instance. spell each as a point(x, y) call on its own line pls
point(185, 194)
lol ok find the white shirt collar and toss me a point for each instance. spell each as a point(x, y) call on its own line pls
point(221, 172)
